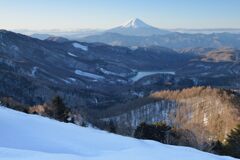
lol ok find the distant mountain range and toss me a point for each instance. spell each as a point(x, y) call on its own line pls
point(172, 40)
point(207, 30)
point(71, 34)
point(135, 32)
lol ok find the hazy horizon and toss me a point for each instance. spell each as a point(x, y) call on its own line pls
point(104, 14)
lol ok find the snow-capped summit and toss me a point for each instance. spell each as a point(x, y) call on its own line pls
point(135, 23)
point(136, 27)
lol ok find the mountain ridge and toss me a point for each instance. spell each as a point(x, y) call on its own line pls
point(199, 110)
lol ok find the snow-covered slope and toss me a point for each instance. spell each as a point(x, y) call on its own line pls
point(136, 27)
point(140, 75)
point(80, 46)
point(135, 23)
point(30, 137)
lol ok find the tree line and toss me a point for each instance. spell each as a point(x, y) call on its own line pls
point(169, 135)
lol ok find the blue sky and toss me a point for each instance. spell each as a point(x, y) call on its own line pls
point(75, 14)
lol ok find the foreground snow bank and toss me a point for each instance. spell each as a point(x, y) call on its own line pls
point(30, 137)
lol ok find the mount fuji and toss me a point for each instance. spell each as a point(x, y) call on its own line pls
point(136, 27)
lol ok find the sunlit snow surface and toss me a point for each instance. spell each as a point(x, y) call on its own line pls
point(31, 137)
point(140, 75)
point(89, 75)
point(71, 54)
point(82, 47)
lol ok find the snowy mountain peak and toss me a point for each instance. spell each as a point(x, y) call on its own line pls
point(135, 23)
point(136, 27)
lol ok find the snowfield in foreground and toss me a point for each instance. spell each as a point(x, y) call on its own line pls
point(31, 137)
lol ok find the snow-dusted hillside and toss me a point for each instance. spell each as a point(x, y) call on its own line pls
point(30, 137)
